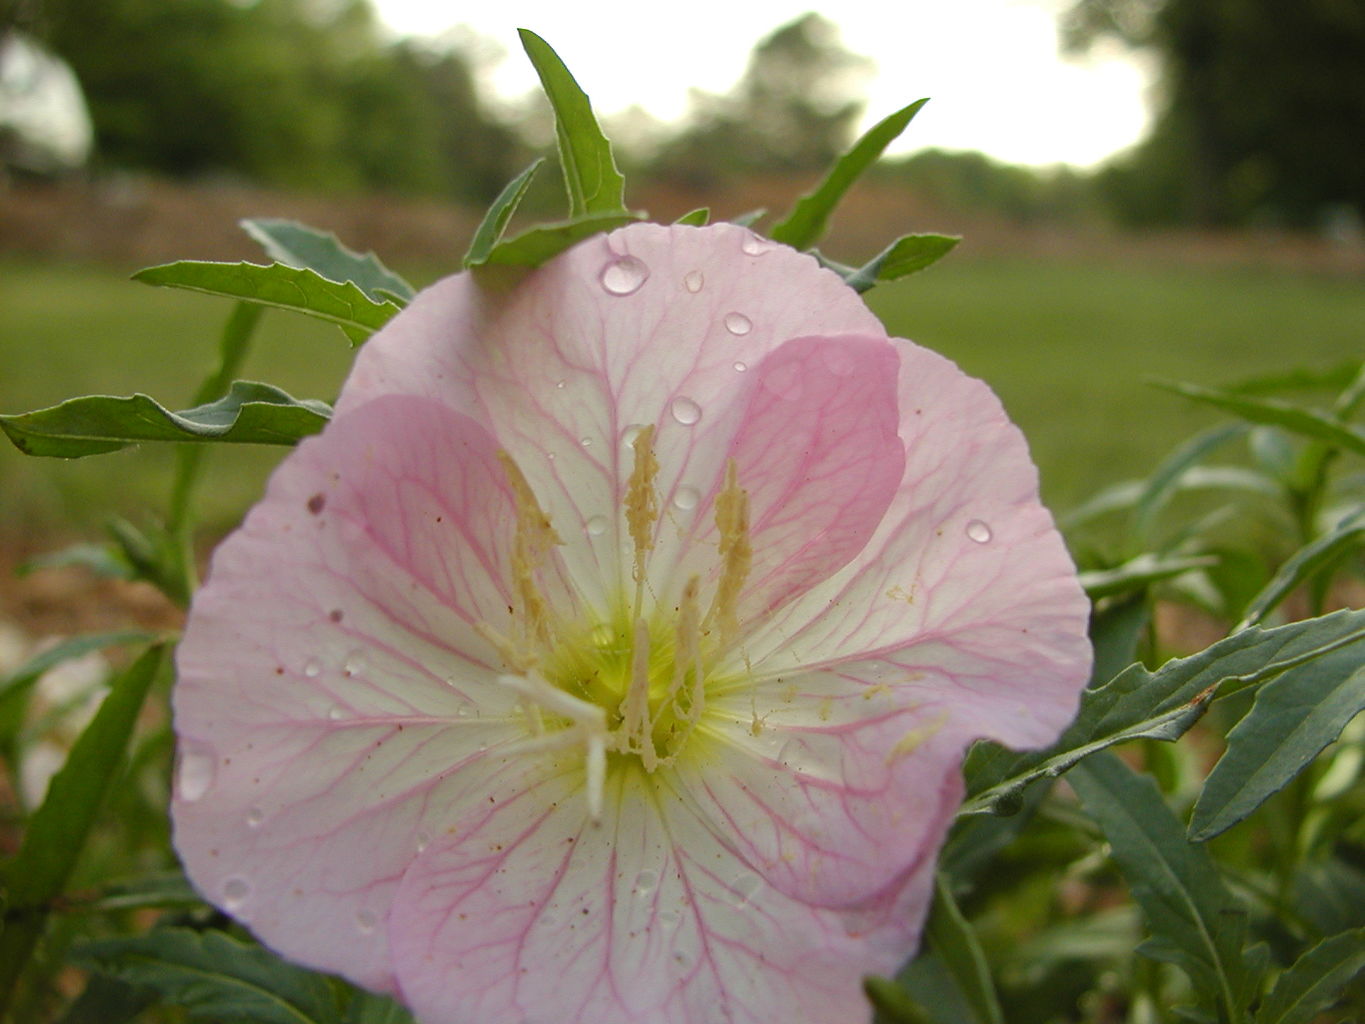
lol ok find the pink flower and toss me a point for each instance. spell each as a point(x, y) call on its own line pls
point(611, 655)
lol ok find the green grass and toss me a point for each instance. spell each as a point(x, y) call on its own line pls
point(1066, 345)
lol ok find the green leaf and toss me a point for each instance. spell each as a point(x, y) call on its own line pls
point(370, 1008)
point(750, 217)
point(100, 559)
point(1140, 572)
point(1157, 492)
point(495, 220)
point(250, 413)
point(162, 889)
point(296, 245)
point(106, 1001)
point(697, 218)
point(534, 247)
point(953, 940)
point(1116, 629)
point(904, 256)
point(1335, 378)
point(1142, 704)
point(57, 831)
point(806, 223)
point(1293, 718)
point(280, 286)
point(893, 1005)
point(1194, 921)
point(590, 175)
point(1269, 411)
point(1303, 565)
point(215, 977)
point(1315, 980)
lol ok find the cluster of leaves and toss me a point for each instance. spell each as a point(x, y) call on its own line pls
point(1247, 881)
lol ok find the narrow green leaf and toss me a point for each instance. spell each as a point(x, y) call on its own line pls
point(215, 977)
point(57, 831)
point(534, 247)
point(1194, 921)
point(1269, 411)
point(1292, 720)
point(697, 218)
point(1315, 980)
point(1140, 572)
point(1140, 703)
point(280, 286)
point(892, 1004)
point(750, 217)
point(1303, 565)
point(162, 889)
point(806, 223)
point(590, 175)
point(250, 413)
point(1335, 378)
point(953, 940)
point(906, 255)
point(1166, 480)
point(495, 220)
point(98, 559)
point(297, 245)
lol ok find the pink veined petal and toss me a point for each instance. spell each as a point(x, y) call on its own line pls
point(534, 914)
point(334, 699)
point(966, 593)
point(564, 370)
point(817, 453)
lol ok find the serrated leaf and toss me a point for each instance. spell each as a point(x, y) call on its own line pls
point(806, 223)
point(1315, 981)
point(250, 413)
point(1271, 412)
point(906, 255)
point(1292, 720)
point(1194, 921)
point(215, 977)
point(697, 218)
point(534, 247)
point(590, 175)
point(56, 833)
point(297, 245)
point(282, 287)
point(495, 220)
point(1303, 565)
point(1140, 572)
point(1143, 704)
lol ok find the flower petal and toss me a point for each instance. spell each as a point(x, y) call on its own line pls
point(331, 679)
point(966, 592)
point(533, 913)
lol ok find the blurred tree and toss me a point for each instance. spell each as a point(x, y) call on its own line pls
point(794, 109)
point(298, 93)
point(1263, 107)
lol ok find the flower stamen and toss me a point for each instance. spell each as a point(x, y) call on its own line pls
point(642, 507)
point(736, 555)
point(534, 538)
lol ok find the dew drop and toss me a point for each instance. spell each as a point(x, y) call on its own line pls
point(235, 892)
point(745, 887)
point(254, 817)
point(336, 712)
point(686, 498)
point(194, 771)
point(753, 245)
point(645, 883)
point(693, 281)
point(629, 435)
point(550, 456)
point(586, 442)
point(624, 276)
point(559, 385)
point(741, 367)
point(423, 841)
point(365, 920)
point(738, 323)
point(686, 411)
point(978, 531)
point(355, 663)
point(596, 526)
point(311, 668)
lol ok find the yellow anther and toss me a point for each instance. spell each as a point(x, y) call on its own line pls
point(642, 507)
point(534, 538)
point(736, 553)
point(636, 726)
point(687, 655)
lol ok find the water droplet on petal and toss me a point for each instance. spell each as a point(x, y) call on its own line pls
point(586, 442)
point(365, 920)
point(686, 411)
point(355, 663)
point(423, 841)
point(596, 526)
point(745, 887)
point(624, 276)
point(686, 498)
point(755, 245)
point(236, 890)
point(559, 385)
point(629, 435)
point(255, 816)
point(195, 769)
point(741, 367)
point(645, 883)
point(693, 281)
point(550, 456)
point(311, 668)
point(336, 713)
point(738, 323)
point(978, 531)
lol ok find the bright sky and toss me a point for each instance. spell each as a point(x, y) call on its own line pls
point(991, 66)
